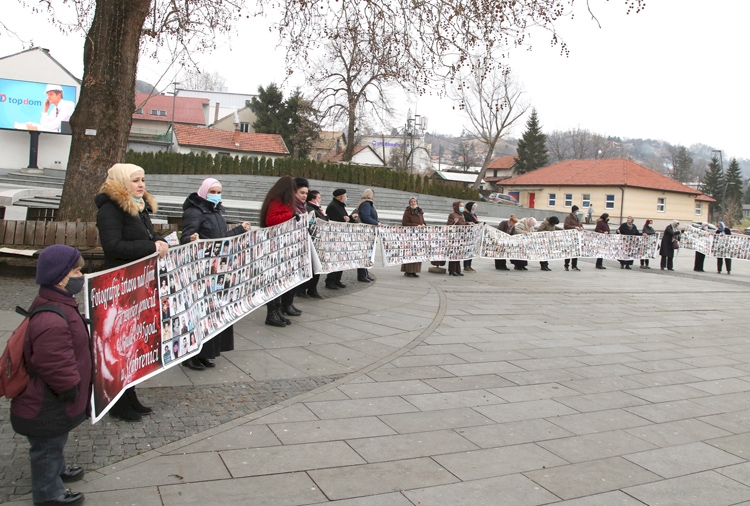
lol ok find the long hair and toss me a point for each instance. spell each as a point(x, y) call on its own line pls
point(284, 189)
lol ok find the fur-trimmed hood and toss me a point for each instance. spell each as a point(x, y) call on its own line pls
point(122, 199)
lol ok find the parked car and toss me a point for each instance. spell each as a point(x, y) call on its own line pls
point(712, 228)
point(501, 198)
point(747, 231)
point(735, 231)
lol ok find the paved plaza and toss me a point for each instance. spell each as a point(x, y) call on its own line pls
point(589, 388)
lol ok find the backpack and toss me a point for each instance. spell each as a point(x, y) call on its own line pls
point(13, 374)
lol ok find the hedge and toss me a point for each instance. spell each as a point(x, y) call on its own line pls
point(380, 177)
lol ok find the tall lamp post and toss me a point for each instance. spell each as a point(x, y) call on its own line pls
point(171, 126)
point(722, 204)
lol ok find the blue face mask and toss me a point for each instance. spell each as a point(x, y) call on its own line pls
point(139, 200)
point(214, 198)
point(460, 209)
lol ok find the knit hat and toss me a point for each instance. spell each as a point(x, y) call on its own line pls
point(54, 263)
point(574, 208)
point(339, 192)
point(207, 185)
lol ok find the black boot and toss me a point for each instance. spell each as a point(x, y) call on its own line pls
point(123, 410)
point(314, 294)
point(287, 321)
point(194, 364)
point(137, 406)
point(272, 316)
point(291, 310)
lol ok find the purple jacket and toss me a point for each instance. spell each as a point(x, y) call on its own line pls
point(58, 360)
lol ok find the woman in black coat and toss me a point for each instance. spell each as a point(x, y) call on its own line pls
point(314, 201)
point(126, 234)
point(203, 218)
point(667, 248)
point(627, 228)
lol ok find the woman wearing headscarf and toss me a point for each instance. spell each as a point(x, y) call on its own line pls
point(524, 226)
point(670, 242)
point(456, 218)
point(627, 228)
point(647, 229)
point(719, 261)
point(602, 227)
point(548, 225)
point(126, 234)
point(413, 217)
point(368, 215)
point(203, 218)
point(58, 360)
point(700, 258)
point(278, 207)
point(314, 202)
point(470, 215)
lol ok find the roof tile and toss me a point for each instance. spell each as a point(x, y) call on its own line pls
point(187, 110)
point(188, 135)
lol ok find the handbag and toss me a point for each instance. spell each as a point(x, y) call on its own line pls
point(675, 244)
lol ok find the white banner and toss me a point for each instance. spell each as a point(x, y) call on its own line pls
point(343, 246)
point(618, 246)
point(404, 245)
point(540, 246)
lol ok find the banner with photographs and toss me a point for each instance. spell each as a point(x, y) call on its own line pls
point(403, 245)
point(541, 246)
point(148, 316)
point(731, 246)
point(618, 246)
point(343, 246)
point(698, 240)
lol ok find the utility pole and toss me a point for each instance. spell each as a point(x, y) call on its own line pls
point(174, 100)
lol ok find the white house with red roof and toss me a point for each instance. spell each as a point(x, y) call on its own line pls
point(615, 186)
point(499, 169)
point(153, 117)
point(363, 155)
point(193, 139)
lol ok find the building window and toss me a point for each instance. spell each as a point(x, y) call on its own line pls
point(245, 127)
point(158, 112)
point(698, 208)
point(609, 202)
point(586, 200)
point(661, 203)
point(223, 153)
point(139, 110)
point(568, 199)
point(551, 199)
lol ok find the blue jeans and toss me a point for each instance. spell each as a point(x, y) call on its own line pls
point(47, 463)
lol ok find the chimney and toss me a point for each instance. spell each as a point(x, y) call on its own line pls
point(216, 113)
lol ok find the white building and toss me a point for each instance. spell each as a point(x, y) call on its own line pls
point(413, 147)
point(35, 65)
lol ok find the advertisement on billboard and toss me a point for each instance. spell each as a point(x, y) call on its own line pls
point(43, 107)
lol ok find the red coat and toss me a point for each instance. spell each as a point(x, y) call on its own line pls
point(58, 359)
point(278, 213)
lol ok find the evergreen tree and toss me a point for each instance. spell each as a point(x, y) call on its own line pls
point(291, 118)
point(733, 181)
point(532, 147)
point(682, 164)
point(713, 184)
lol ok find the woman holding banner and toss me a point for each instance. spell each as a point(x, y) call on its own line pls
point(456, 218)
point(126, 234)
point(413, 217)
point(203, 218)
point(278, 207)
point(314, 201)
point(670, 242)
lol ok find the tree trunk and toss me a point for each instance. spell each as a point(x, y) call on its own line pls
point(101, 122)
point(349, 151)
point(487, 160)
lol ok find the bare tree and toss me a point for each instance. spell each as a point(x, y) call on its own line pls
point(558, 146)
point(464, 155)
point(493, 103)
point(352, 76)
point(581, 144)
point(194, 79)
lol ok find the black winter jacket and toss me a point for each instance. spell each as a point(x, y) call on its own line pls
point(126, 234)
point(336, 211)
point(318, 212)
point(200, 215)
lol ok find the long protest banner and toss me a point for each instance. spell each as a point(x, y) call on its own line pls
point(403, 245)
point(149, 315)
point(716, 245)
point(342, 246)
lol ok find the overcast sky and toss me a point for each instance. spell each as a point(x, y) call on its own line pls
point(677, 71)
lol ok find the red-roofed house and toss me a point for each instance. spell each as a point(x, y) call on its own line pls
point(616, 186)
point(152, 119)
point(499, 169)
point(192, 139)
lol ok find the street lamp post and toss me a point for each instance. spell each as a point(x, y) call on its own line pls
point(171, 126)
point(722, 204)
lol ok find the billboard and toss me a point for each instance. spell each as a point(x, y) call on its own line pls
point(44, 107)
